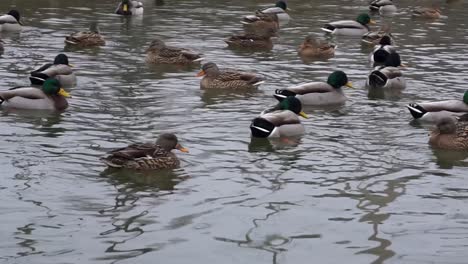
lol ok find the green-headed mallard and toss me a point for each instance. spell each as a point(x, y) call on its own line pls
point(312, 47)
point(159, 53)
point(450, 134)
point(384, 7)
point(319, 93)
point(50, 97)
point(388, 76)
point(10, 22)
point(129, 8)
point(280, 121)
point(349, 27)
point(435, 111)
point(86, 38)
point(213, 78)
point(249, 42)
point(263, 25)
point(427, 12)
point(147, 156)
point(60, 70)
point(279, 10)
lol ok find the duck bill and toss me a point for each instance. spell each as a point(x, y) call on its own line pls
point(304, 115)
point(349, 84)
point(181, 149)
point(71, 65)
point(125, 8)
point(64, 93)
point(201, 73)
point(403, 65)
point(372, 22)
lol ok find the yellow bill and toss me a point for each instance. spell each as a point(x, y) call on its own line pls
point(349, 84)
point(125, 8)
point(304, 115)
point(372, 22)
point(63, 93)
point(201, 73)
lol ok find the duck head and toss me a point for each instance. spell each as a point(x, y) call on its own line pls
point(53, 87)
point(282, 5)
point(156, 45)
point(61, 59)
point(338, 79)
point(385, 40)
point(446, 125)
point(15, 14)
point(169, 141)
point(291, 103)
point(209, 69)
point(364, 19)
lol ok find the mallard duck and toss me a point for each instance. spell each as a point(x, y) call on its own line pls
point(319, 93)
point(129, 7)
point(385, 7)
point(312, 47)
point(279, 10)
point(374, 37)
point(280, 121)
point(249, 41)
point(86, 38)
point(450, 134)
point(60, 70)
point(50, 97)
point(380, 53)
point(262, 25)
point(350, 27)
point(10, 21)
point(147, 156)
point(159, 52)
point(213, 78)
point(427, 12)
point(434, 111)
point(388, 76)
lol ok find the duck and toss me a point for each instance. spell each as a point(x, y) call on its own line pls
point(249, 41)
point(432, 112)
point(450, 134)
point(380, 53)
point(50, 97)
point(388, 76)
point(262, 25)
point(10, 22)
point(129, 8)
point(374, 37)
point(319, 93)
point(312, 47)
point(279, 10)
point(86, 38)
point(213, 78)
point(350, 27)
point(281, 120)
point(427, 12)
point(160, 53)
point(60, 69)
point(384, 7)
point(147, 156)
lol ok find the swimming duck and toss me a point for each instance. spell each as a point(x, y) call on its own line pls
point(350, 27)
point(159, 52)
point(319, 93)
point(374, 37)
point(216, 79)
point(279, 10)
point(249, 41)
point(60, 70)
point(262, 25)
point(435, 111)
point(388, 76)
point(86, 38)
point(312, 47)
point(427, 12)
point(450, 134)
point(380, 53)
point(385, 7)
point(280, 121)
point(11, 21)
point(129, 7)
point(50, 97)
point(147, 156)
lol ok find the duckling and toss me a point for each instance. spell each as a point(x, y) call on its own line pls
point(279, 10)
point(86, 38)
point(147, 156)
point(50, 97)
point(388, 76)
point(262, 25)
point(159, 53)
point(280, 121)
point(312, 47)
point(427, 12)
point(350, 27)
point(216, 79)
point(450, 134)
point(129, 7)
point(61, 70)
point(435, 111)
point(10, 22)
point(319, 93)
point(385, 7)
point(381, 51)
point(249, 41)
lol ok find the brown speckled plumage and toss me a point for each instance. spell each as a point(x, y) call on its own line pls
point(262, 25)
point(312, 47)
point(450, 135)
point(427, 12)
point(216, 79)
point(249, 41)
point(158, 52)
point(86, 38)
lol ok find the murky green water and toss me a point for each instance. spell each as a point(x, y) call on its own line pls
point(361, 186)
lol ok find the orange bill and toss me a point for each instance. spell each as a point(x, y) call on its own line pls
point(182, 149)
point(201, 73)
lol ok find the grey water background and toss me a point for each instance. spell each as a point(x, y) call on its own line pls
point(361, 186)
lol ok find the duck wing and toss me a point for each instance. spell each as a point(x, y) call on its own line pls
point(343, 24)
point(306, 88)
point(119, 157)
point(250, 78)
point(281, 117)
point(25, 92)
point(8, 19)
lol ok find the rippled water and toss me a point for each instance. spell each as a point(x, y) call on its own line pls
point(361, 186)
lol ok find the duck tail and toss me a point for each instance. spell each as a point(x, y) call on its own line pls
point(199, 59)
point(280, 94)
point(261, 128)
point(377, 79)
point(258, 83)
point(328, 28)
point(416, 110)
point(38, 78)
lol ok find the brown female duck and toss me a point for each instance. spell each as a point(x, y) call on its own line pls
point(216, 79)
point(86, 38)
point(450, 134)
point(312, 47)
point(159, 53)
